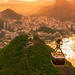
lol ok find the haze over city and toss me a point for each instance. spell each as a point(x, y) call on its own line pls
point(26, 6)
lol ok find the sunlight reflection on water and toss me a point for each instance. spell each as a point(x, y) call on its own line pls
point(67, 47)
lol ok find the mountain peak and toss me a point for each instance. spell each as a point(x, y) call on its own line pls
point(61, 9)
point(62, 3)
point(8, 10)
point(10, 14)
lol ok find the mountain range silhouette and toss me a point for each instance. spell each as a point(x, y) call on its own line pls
point(61, 9)
point(10, 14)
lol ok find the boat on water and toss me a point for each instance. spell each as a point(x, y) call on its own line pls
point(58, 58)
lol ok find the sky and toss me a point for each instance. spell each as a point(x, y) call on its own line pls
point(1, 1)
point(25, 7)
point(13, 1)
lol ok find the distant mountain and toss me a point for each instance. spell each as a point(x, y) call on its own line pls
point(10, 14)
point(61, 9)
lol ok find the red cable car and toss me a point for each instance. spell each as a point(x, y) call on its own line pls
point(57, 56)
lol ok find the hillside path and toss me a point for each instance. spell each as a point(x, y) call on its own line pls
point(65, 70)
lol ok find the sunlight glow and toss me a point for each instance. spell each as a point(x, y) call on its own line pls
point(28, 0)
point(34, 0)
point(6, 0)
point(67, 47)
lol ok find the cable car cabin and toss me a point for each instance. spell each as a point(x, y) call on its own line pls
point(57, 56)
point(58, 59)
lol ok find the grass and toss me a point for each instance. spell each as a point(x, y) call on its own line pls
point(46, 30)
point(70, 65)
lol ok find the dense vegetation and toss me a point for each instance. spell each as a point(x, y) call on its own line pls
point(46, 30)
point(1, 24)
point(15, 60)
point(2, 34)
point(68, 64)
point(18, 22)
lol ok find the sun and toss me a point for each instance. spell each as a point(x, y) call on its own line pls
point(6, 0)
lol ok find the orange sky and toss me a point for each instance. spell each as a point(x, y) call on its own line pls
point(21, 0)
point(13, 1)
point(10, 1)
point(24, 7)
